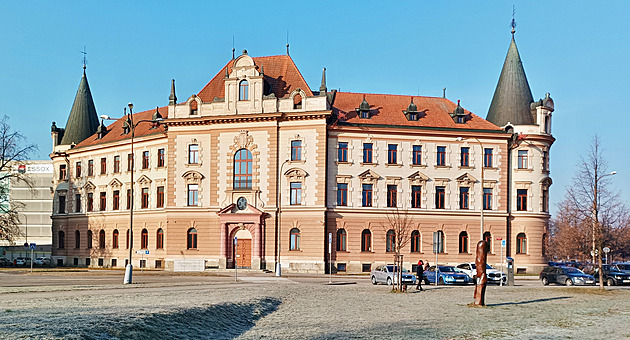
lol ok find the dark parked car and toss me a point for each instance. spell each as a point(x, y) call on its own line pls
point(623, 266)
point(613, 276)
point(565, 276)
point(446, 275)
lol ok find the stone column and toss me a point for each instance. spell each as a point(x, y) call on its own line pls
point(223, 256)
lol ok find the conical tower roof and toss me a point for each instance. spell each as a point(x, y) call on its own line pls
point(83, 120)
point(512, 97)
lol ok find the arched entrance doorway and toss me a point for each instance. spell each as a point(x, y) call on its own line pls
point(243, 248)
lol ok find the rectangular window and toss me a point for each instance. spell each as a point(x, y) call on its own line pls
point(416, 196)
point(116, 164)
point(116, 200)
point(417, 155)
point(487, 158)
point(487, 198)
point(103, 201)
point(463, 197)
point(103, 166)
point(193, 154)
point(161, 158)
point(145, 198)
point(129, 162)
point(439, 197)
point(160, 197)
point(392, 153)
point(296, 193)
point(296, 150)
point(77, 203)
point(77, 170)
point(62, 204)
point(145, 159)
point(441, 156)
point(545, 200)
point(90, 201)
point(193, 195)
point(465, 153)
point(545, 164)
point(342, 152)
point(521, 199)
point(91, 167)
point(128, 198)
point(367, 195)
point(392, 191)
point(342, 194)
point(367, 152)
point(62, 172)
point(522, 159)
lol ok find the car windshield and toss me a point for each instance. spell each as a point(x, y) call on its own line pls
point(572, 270)
point(447, 269)
point(395, 268)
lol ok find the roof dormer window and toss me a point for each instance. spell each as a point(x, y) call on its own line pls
point(459, 115)
point(193, 108)
point(412, 111)
point(364, 109)
point(243, 90)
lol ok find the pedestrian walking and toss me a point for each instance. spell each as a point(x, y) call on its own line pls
point(419, 274)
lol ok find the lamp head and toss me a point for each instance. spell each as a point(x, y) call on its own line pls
point(613, 173)
point(105, 117)
point(130, 105)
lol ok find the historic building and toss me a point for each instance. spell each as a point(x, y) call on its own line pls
point(257, 168)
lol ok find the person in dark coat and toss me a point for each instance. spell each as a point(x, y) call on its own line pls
point(419, 274)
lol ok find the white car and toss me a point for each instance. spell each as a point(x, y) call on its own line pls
point(42, 261)
point(388, 275)
point(23, 261)
point(494, 276)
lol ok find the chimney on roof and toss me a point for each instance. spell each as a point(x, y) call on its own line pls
point(444, 92)
point(287, 48)
point(322, 87)
point(172, 99)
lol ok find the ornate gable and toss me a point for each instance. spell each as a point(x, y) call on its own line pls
point(89, 186)
point(296, 174)
point(193, 177)
point(115, 183)
point(466, 178)
point(369, 176)
point(418, 178)
point(144, 180)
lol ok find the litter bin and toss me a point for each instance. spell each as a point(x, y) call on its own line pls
point(510, 271)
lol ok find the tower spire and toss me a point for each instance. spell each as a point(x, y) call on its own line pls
point(322, 87)
point(172, 99)
point(83, 120)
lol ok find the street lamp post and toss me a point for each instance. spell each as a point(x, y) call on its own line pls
point(278, 266)
point(481, 189)
point(597, 252)
point(132, 128)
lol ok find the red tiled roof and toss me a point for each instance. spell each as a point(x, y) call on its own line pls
point(115, 130)
point(388, 109)
point(280, 72)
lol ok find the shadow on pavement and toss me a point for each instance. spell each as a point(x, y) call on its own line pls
point(526, 302)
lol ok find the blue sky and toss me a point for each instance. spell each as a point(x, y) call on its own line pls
point(578, 51)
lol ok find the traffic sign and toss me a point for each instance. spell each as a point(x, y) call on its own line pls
point(145, 252)
point(235, 239)
point(31, 246)
point(503, 243)
point(499, 238)
point(329, 237)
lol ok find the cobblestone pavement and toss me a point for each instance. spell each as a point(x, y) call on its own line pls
point(88, 305)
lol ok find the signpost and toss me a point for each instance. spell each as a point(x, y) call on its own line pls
point(235, 258)
point(142, 253)
point(502, 246)
point(329, 257)
point(437, 245)
point(32, 247)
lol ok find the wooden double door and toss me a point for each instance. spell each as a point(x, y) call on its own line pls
point(244, 253)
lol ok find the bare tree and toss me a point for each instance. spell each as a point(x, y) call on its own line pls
point(397, 230)
point(14, 151)
point(593, 202)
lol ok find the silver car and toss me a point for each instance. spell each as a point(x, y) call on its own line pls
point(387, 274)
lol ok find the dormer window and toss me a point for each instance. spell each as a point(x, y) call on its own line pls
point(297, 101)
point(459, 115)
point(243, 90)
point(412, 111)
point(193, 108)
point(364, 109)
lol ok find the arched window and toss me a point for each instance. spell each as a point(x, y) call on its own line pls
point(115, 239)
point(391, 241)
point(159, 244)
point(192, 239)
point(243, 169)
point(463, 242)
point(366, 240)
point(440, 248)
point(77, 239)
point(521, 243)
point(341, 240)
point(101, 239)
point(62, 239)
point(297, 101)
point(127, 238)
point(488, 238)
point(295, 239)
point(144, 239)
point(415, 241)
point(89, 239)
point(243, 90)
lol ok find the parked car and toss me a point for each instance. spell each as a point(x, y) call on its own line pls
point(4, 262)
point(612, 275)
point(387, 274)
point(42, 261)
point(565, 275)
point(23, 261)
point(446, 275)
point(494, 276)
